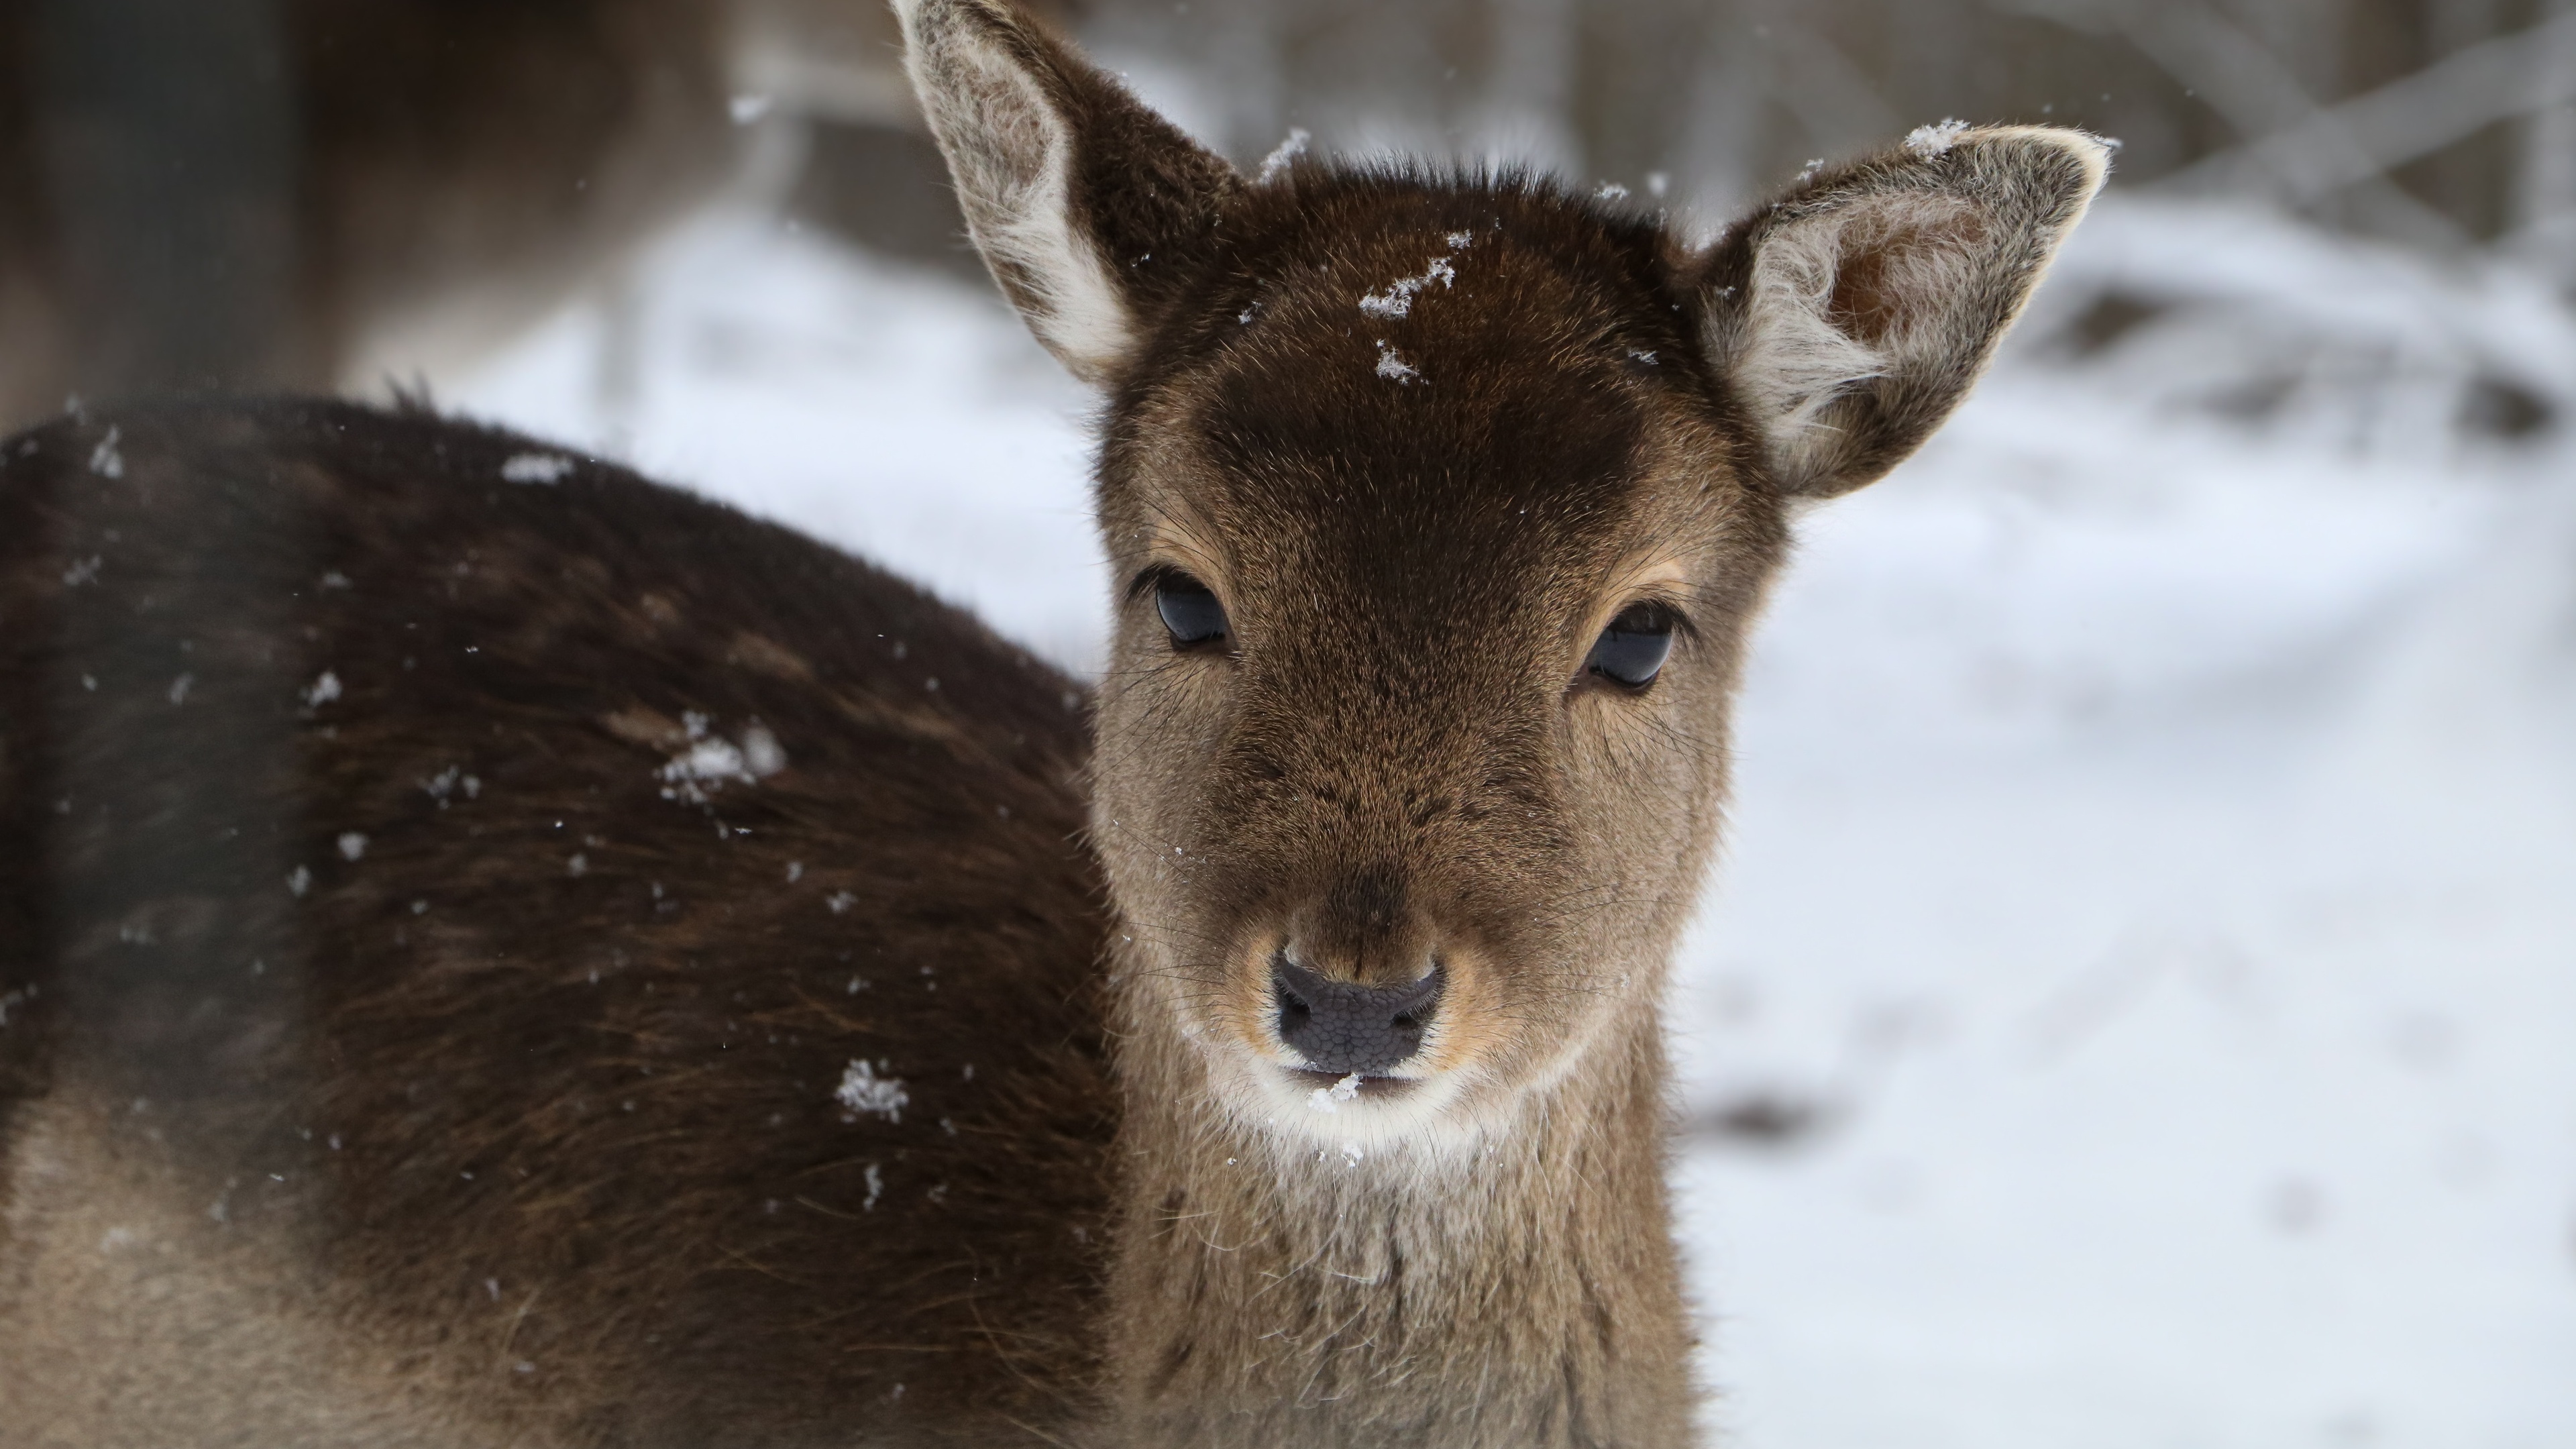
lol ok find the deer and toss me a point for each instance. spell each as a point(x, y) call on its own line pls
point(493, 949)
point(366, 194)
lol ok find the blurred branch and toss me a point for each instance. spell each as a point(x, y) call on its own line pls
point(2257, 95)
point(2366, 136)
point(1833, 98)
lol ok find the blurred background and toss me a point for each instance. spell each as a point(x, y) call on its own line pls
point(2138, 1007)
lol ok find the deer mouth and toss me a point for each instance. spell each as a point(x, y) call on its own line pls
point(1333, 1090)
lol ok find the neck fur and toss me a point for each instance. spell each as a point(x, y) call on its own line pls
point(1520, 1287)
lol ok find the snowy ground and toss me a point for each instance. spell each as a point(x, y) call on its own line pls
point(2138, 1010)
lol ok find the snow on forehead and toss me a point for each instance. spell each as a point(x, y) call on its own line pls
point(1395, 299)
point(1394, 302)
point(1411, 337)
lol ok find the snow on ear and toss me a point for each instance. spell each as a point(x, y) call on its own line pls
point(1852, 315)
point(1086, 206)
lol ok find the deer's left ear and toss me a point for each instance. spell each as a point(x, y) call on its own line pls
point(1086, 205)
point(1850, 316)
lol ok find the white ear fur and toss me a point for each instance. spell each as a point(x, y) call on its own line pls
point(1945, 249)
point(1011, 149)
point(1796, 360)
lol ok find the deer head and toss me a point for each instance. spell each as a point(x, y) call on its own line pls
point(1440, 504)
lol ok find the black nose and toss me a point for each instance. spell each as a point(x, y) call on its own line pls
point(1342, 1028)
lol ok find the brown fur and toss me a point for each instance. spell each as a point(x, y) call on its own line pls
point(608, 1091)
point(1150, 1226)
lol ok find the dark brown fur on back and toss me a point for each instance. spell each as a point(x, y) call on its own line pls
point(536, 1081)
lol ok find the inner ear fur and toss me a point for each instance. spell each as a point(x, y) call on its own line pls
point(1851, 315)
point(1088, 207)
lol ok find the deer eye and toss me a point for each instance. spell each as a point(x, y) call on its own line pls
point(1190, 610)
point(1632, 650)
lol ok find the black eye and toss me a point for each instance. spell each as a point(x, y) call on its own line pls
point(1632, 650)
point(1190, 610)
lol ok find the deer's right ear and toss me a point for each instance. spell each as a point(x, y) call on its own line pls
point(1850, 316)
point(1086, 205)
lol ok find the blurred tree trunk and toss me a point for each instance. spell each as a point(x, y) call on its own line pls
point(237, 195)
point(165, 142)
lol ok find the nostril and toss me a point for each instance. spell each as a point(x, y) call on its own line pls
point(1292, 1007)
point(1344, 1027)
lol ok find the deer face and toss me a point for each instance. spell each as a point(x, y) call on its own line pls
point(1439, 509)
point(1414, 728)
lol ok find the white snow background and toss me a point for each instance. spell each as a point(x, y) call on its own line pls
point(2147, 935)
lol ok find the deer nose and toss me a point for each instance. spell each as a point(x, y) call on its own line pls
point(1341, 1027)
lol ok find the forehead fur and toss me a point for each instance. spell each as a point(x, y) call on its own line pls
point(1403, 356)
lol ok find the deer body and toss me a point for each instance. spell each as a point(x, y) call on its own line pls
point(240, 1156)
point(499, 951)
